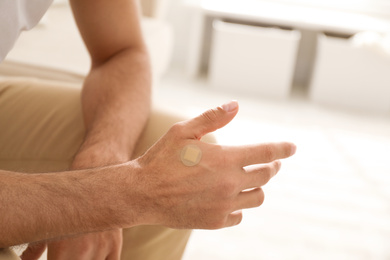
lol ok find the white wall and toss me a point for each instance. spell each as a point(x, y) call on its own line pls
point(180, 15)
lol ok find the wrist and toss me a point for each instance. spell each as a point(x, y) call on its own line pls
point(98, 155)
point(131, 205)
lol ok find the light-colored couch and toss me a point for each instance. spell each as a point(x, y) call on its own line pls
point(54, 49)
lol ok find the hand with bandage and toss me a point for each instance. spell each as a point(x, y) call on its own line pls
point(180, 182)
point(186, 183)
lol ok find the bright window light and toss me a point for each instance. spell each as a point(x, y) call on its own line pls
point(381, 7)
point(352, 5)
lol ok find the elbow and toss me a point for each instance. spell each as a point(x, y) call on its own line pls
point(139, 52)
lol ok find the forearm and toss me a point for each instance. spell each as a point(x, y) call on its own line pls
point(116, 93)
point(37, 207)
point(116, 102)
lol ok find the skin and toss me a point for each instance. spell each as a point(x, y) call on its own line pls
point(117, 89)
point(105, 191)
point(155, 188)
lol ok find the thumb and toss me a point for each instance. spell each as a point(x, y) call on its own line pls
point(210, 120)
point(33, 252)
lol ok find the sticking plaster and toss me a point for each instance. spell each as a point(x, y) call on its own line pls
point(190, 155)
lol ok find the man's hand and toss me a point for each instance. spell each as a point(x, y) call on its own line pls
point(156, 188)
point(34, 251)
point(105, 245)
point(102, 245)
point(212, 193)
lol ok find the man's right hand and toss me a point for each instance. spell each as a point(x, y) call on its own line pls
point(211, 194)
point(156, 188)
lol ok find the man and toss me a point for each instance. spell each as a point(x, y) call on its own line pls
point(86, 187)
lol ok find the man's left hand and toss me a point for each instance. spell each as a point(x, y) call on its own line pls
point(93, 246)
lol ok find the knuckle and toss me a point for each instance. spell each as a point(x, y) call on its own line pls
point(211, 114)
point(177, 129)
point(221, 159)
point(269, 153)
point(225, 207)
point(85, 249)
point(216, 220)
point(227, 188)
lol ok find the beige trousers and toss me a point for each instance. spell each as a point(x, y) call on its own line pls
point(41, 129)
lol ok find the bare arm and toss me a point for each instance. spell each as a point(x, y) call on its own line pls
point(115, 101)
point(156, 188)
point(36, 207)
point(116, 93)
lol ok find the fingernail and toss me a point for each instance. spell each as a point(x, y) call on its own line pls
point(293, 149)
point(230, 106)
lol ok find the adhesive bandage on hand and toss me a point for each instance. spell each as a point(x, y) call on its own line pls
point(190, 155)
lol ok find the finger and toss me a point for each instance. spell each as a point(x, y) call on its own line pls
point(250, 199)
point(259, 175)
point(209, 121)
point(33, 252)
point(234, 218)
point(115, 254)
point(261, 153)
point(116, 248)
point(70, 248)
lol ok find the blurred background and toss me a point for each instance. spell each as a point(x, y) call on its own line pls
point(313, 72)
